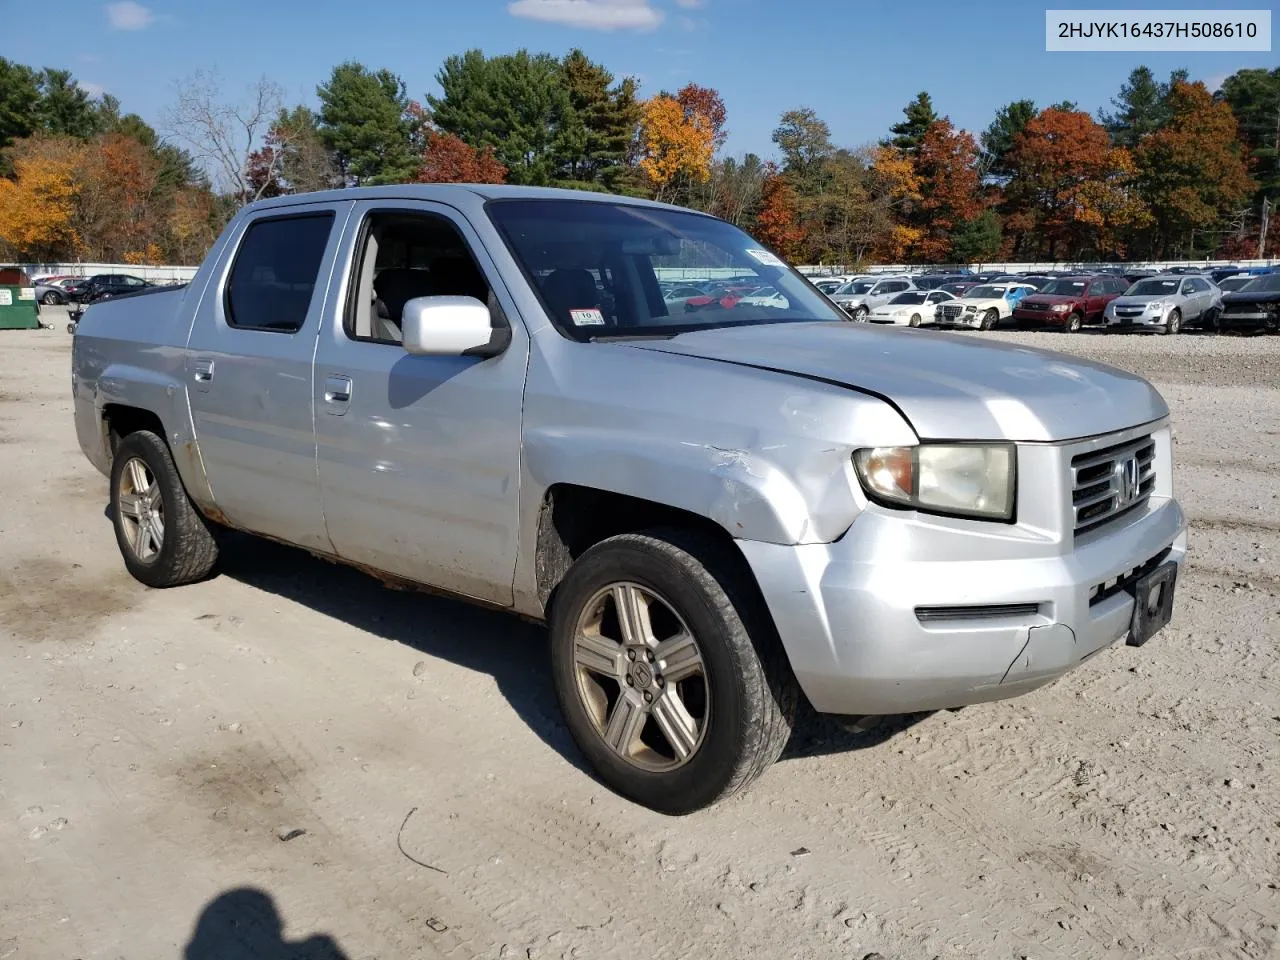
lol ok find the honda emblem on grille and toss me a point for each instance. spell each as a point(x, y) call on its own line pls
point(1127, 479)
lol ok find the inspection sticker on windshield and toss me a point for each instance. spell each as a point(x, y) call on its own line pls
point(765, 257)
point(587, 318)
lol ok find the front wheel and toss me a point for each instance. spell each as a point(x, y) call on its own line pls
point(50, 299)
point(668, 669)
point(163, 539)
point(990, 319)
point(1074, 323)
point(915, 320)
point(860, 314)
point(1173, 323)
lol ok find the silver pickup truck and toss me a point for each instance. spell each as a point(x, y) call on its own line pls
point(716, 502)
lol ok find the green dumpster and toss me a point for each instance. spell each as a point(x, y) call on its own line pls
point(18, 309)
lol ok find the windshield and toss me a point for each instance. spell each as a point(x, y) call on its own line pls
point(984, 293)
point(598, 269)
point(1063, 288)
point(858, 287)
point(1268, 284)
point(1154, 288)
point(915, 297)
point(956, 288)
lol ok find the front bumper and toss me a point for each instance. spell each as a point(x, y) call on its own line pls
point(970, 320)
point(1144, 321)
point(908, 613)
point(1049, 317)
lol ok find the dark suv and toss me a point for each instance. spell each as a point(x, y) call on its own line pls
point(104, 286)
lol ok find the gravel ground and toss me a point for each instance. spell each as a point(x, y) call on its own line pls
point(161, 750)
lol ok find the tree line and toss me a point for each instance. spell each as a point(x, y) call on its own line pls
point(1169, 170)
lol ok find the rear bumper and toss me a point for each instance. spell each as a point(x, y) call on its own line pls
point(873, 625)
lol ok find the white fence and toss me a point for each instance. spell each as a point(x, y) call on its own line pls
point(166, 274)
point(829, 270)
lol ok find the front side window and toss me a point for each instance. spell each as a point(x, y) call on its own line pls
point(405, 256)
point(275, 272)
point(598, 267)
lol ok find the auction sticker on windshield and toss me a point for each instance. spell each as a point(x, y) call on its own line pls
point(765, 257)
point(587, 318)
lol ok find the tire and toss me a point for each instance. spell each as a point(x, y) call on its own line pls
point(142, 495)
point(860, 314)
point(1173, 323)
point(51, 299)
point(990, 319)
point(1074, 323)
point(71, 328)
point(739, 708)
point(915, 320)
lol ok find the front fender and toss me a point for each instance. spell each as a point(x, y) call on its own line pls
point(749, 494)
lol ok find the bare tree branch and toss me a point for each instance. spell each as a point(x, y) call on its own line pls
point(222, 134)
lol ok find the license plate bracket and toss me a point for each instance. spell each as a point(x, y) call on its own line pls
point(1153, 603)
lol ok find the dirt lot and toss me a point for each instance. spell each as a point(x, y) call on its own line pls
point(155, 746)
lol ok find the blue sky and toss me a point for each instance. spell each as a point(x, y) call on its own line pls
point(856, 63)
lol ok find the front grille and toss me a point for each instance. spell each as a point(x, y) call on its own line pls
point(951, 312)
point(1034, 306)
point(1108, 483)
point(1123, 581)
point(1129, 311)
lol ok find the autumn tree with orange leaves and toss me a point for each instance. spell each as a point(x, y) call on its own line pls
point(1071, 194)
point(946, 169)
point(778, 223)
point(37, 207)
point(449, 159)
point(1192, 172)
point(673, 144)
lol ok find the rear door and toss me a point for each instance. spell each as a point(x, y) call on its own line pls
point(249, 371)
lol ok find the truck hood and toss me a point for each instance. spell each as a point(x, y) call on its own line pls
point(948, 387)
point(1049, 298)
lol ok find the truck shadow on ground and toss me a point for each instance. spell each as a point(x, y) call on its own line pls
point(244, 924)
point(511, 650)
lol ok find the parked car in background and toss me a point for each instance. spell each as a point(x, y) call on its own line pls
point(936, 281)
point(1070, 302)
point(910, 309)
point(1254, 306)
point(52, 291)
point(859, 297)
point(1218, 274)
point(957, 287)
point(829, 286)
point(1233, 283)
point(982, 307)
point(1037, 280)
point(1165, 304)
point(104, 286)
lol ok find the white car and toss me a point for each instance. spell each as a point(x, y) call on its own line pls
point(984, 306)
point(911, 308)
point(859, 297)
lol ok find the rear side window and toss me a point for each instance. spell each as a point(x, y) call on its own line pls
point(274, 275)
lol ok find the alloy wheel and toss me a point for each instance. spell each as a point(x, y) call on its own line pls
point(141, 510)
point(641, 677)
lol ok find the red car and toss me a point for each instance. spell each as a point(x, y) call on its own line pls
point(1070, 302)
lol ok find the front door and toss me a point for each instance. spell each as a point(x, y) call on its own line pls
point(419, 457)
point(249, 373)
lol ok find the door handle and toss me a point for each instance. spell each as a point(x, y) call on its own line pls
point(202, 370)
point(337, 394)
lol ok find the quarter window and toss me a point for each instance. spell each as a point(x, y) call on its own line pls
point(275, 272)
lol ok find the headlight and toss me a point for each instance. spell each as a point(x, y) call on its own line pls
point(962, 480)
point(971, 309)
point(1060, 307)
point(1156, 306)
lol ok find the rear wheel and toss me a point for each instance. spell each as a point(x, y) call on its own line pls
point(668, 669)
point(51, 299)
point(1074, 323)
point(163, 539)
point(990, 319)
point(1173, 323)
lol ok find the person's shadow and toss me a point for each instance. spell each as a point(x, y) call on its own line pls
point(243, 924)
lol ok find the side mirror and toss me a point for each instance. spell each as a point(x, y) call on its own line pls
point(450, 327)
